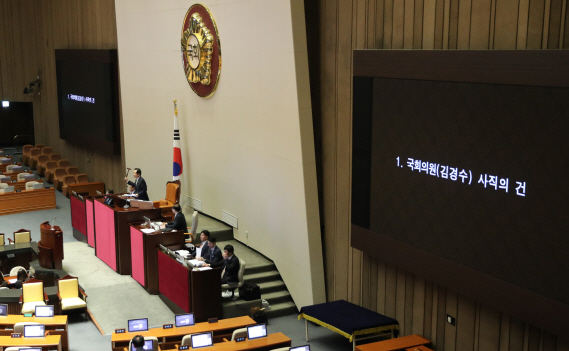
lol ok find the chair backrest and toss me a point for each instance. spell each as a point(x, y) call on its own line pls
point(69, 179)
point(7, 189)
point(194, 224)
point(32, 290)
point(73, 170)
point(60, 172)
point(9, 168)
point(4, 185)
point(22, 176)
point(26, 149)
point(187, 340)
point(14, 271)
point(82, 178)
point(30, 185)
point(63, 163)
point(68, 287)
point(173, 191)
point(41, 146)
point(241, 272)
point(51, 165)
point(22, 236)
point(19, 327)
point(35, 152)
point(239, 333)
point(55, 157)
point(47, 150)
point(42, 159)
point(1, 239)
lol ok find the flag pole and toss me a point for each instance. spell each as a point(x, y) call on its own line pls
point(178, 167)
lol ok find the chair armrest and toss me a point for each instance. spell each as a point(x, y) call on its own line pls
point(225, 340)
point(82, 292)
point(45, 298)
point(21, 297)
point(59, 296)
point(10, 240)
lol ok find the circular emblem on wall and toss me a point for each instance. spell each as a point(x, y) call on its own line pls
point(201, 51)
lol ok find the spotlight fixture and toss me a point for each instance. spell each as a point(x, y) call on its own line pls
point(30, 89)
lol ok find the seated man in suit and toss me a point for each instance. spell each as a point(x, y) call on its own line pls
point(139, 185)
point(214, 253)
point(109, 200)
point(230, 263)
point(179, 219)
point(203, 246)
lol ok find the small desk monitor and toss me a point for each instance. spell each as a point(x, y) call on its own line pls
point(34, 331)
point(137, 325)
point(202, 340)
point(300, 348)
point(184, 320)
point(257, 331)
point(3, 310)
point(148, 345)
point(44, 311)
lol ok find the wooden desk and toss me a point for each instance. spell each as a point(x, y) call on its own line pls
point(27, 200)
point(13, 175)
point(90, 188)
point(24, 253)
point(271, 342)
point(143, 254)
point(48, 343)
point(51, 324)
point(222, 329)
point(395, 344)
point(419, 348)
point(112, 233)
point(3, 166)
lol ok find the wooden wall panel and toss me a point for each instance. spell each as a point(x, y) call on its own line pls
point(30, 31)
point(420, 306)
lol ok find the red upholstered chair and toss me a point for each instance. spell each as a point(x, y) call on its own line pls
point(49, 171)
point(67, 180)
point(26, 152)
point(34, 153)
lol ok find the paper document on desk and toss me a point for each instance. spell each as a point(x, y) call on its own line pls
point(147, 230)
point(203, 268)
point(12, 281)
point(198, 252)
point(129, 195)
point(197, 263)
point(183, 253)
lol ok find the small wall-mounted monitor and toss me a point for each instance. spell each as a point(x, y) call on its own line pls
point(202, 340)
point(257, 331)
point(34, 331)
point(44, 311)
point(148, 345)
point(184, 320)
point(3, 310)
point(136, 325)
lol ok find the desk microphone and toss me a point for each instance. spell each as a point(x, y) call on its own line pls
point(53, 223)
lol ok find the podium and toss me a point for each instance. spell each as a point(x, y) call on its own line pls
point(50, 246)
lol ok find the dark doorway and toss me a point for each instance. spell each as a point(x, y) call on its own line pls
point(17, 119)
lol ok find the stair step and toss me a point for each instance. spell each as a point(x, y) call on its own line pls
point(260, 277)
point(275, 285)
point(277, 297)
point(281, 309)
point(260, 268)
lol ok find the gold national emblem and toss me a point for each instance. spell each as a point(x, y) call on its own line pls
point(201, 52)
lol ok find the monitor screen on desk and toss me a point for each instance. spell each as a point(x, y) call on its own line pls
point(44, 311)
point(300, 348)
point(34, 331)
point(184, 320)
point(3, 310)
point(202, 340)
point(148, 345)
point(137, 325)
point(257, 331)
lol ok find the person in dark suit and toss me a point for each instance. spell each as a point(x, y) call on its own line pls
point(109, 200)
point(138, 342)
point(204, 237)
point(230, 263)
point(214, 253)
point(179, 219)
point(139, 185)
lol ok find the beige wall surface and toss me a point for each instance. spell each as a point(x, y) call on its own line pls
point(249, 149)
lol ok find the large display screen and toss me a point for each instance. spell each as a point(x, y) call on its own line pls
point(473, 173)
point(87, 88)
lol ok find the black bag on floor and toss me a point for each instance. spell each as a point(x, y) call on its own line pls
point(250, 292)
